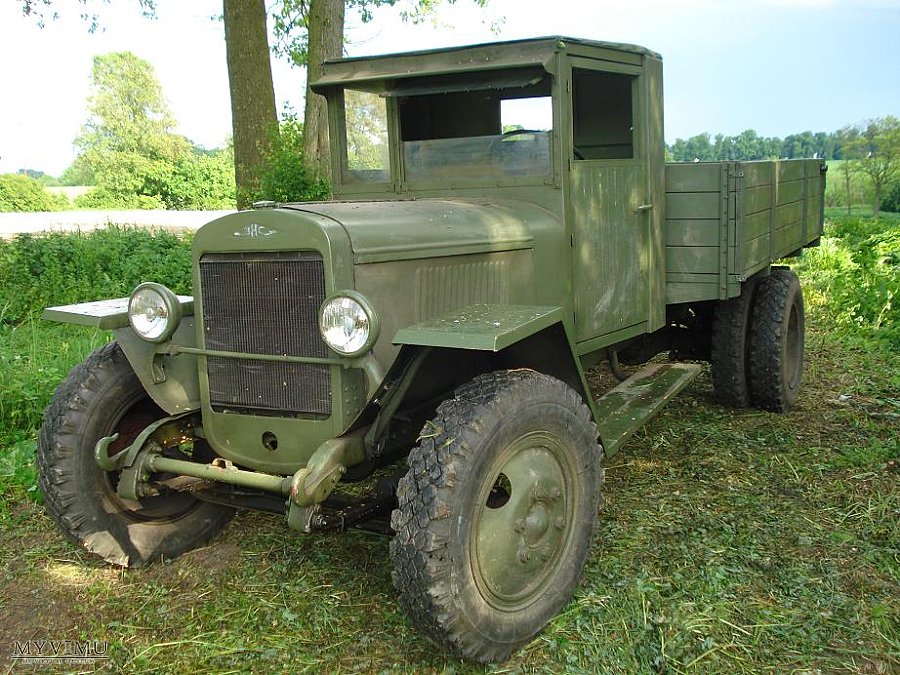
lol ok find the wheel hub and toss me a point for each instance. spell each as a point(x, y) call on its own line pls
point(519, 539)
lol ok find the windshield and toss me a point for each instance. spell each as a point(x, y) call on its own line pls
point(476, 135)
point(492, 128)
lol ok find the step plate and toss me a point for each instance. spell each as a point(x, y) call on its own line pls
point(625, 409)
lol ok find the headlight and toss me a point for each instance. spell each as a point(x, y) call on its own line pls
point(154, 312)
point(348, 324)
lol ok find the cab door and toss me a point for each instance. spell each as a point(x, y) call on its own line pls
point(608, 201)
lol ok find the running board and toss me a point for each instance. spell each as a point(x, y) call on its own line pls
point(623, 410)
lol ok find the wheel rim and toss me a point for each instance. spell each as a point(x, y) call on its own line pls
point(128, 421)
point(794, 349)
point(523, 521)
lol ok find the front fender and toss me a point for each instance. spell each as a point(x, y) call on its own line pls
point(481, 327)
point(171, 379)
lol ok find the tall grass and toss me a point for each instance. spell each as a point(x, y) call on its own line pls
point(853, 279)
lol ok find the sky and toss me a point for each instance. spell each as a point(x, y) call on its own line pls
point(776, 66)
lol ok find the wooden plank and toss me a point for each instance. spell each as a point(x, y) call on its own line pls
point(692, 205)
point(755, 251)
point(692, 177)
point(757, 199)
point(814, 186)
point(689, 278)
point(790, 169)
point(695, 259)
point(756, 173)
point(755, 225)
point(790, 191)
point(788, 214)
point(785, 240)
point(626, 408)
point(692, 233)
point(814, 224)
point(677, 291)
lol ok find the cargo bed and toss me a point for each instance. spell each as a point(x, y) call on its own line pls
point(726, 221)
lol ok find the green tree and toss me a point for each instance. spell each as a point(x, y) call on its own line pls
point(878, 154)
point(253, 108)
point(128, 138)
point(130, 151)
point(40, 10)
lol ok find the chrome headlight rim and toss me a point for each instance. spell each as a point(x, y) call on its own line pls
point(366, 306)
point(168, 299)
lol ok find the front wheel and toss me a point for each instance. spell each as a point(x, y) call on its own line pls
point(100, 397)
point(496, 513)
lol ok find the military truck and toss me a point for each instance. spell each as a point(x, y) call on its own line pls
point(503, 219)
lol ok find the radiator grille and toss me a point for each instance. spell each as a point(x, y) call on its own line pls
point(265, 303)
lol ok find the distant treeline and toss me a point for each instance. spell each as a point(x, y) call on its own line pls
point(749, 145)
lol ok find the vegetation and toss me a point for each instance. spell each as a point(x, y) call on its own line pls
point(732, 542)
point(285, 176)
point(876, 153)
point(63, 268)
point(128, 149)
point(23, 193)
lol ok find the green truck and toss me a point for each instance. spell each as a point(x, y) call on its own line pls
point(503, 219)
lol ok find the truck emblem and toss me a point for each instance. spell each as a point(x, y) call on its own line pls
point(255, 230)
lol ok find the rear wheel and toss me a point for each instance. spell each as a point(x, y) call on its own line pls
point(496, 512)
point(100, 397)
point(776, 341)
point(730, 348)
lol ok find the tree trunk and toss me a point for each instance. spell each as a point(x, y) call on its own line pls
point(326, 40)
point(847, 177)
point(876, 205)
point(253, 117)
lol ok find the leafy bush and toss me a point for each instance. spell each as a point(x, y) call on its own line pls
point(197, 180)
point(102, 199)
point(855, 277)
point(286, 177)
point(890, 201)
point(24, 194)
point(63, 268)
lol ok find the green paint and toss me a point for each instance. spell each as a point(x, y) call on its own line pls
point(481, 327)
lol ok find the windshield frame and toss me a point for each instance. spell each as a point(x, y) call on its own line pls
point(399, 180)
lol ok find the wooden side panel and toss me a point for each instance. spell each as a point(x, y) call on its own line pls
point(692, 259)
point(694, 232)
point(692, 205)
point(762, 211)
point(700, 177)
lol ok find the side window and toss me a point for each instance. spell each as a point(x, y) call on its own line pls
point(603, 115)
point(368, 157)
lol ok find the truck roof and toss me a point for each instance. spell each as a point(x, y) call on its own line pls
point(534, 52)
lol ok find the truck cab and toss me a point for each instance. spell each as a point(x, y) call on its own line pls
point(573, 127)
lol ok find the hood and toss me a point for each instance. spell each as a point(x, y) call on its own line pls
point(423, 228)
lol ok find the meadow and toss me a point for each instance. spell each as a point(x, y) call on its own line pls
point(731, 541)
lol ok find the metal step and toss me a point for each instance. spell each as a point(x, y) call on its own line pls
point(623, 410)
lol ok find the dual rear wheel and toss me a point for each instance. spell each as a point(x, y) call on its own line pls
point(757, 344)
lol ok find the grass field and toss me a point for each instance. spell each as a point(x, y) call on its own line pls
point(731, 541)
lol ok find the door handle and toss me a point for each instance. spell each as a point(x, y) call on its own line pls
point(643, 207)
